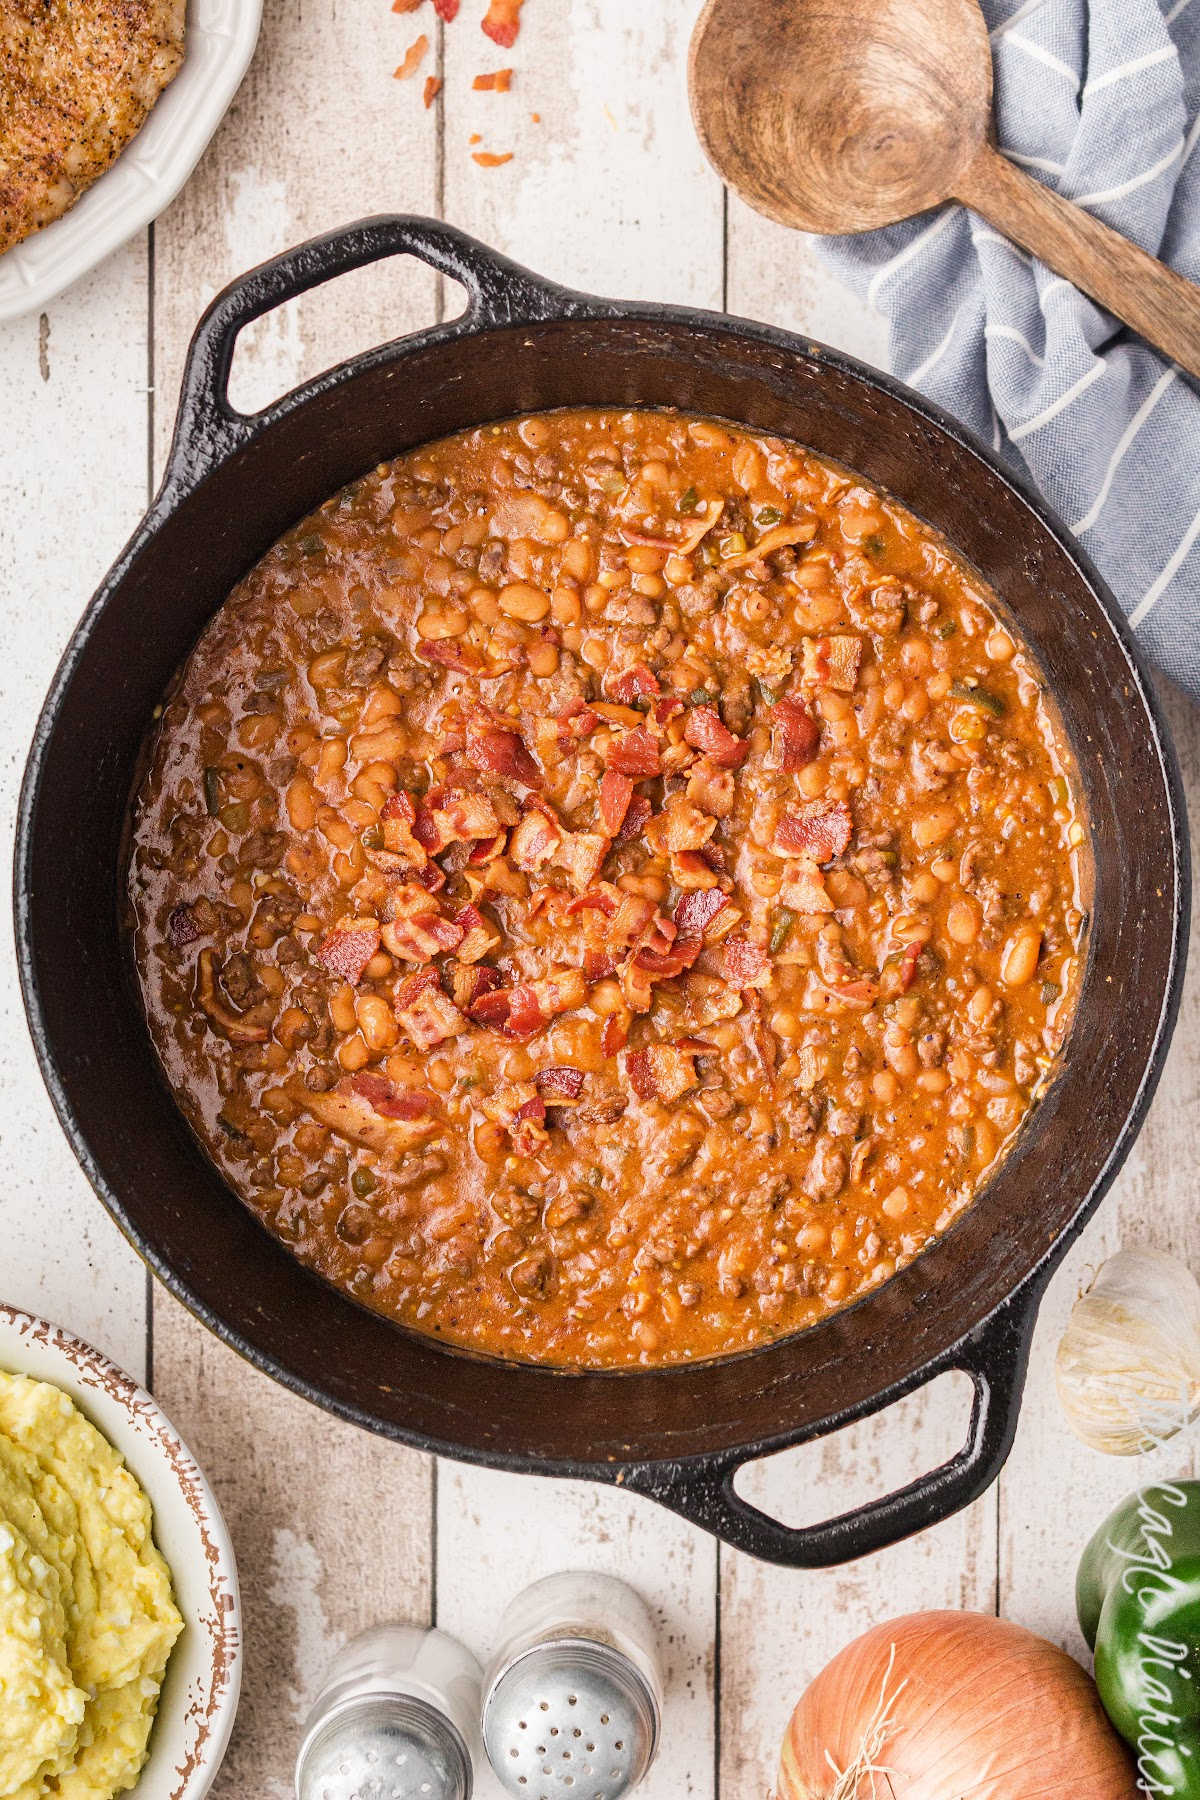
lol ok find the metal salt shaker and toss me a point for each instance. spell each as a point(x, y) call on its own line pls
point(572, 1703)
point(396, 1719)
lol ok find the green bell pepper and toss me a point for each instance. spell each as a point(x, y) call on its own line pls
point(1138, 1599)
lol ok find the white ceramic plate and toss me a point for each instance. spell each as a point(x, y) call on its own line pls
point(200, 1693)
point(218, 43)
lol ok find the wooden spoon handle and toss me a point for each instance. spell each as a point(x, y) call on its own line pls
point(1159, 305)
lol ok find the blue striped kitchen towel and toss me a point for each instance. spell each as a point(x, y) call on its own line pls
point(1101, 100)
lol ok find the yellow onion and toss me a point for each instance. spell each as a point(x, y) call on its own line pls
point(952, 1706)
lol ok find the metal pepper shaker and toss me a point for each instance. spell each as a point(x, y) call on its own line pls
point(396, 1719)
point(572, 1704)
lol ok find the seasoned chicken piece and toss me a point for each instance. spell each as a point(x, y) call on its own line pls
point(77, 79)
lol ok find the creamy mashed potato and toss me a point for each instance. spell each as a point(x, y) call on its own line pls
point(87, 1621)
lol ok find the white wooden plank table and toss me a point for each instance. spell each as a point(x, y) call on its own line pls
point(606, 191)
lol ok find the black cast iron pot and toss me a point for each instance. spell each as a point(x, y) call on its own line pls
point(233, 484)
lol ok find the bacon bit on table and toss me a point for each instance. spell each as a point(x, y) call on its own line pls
point(704, 730)
point(661, 1072)
point(501, 22)
point(433, 87)
point(832, 662)
point(616, 791)
point(389, 1101)
point(498, 81)
point(427, 1014)
point(795, 735)
point(412, 58)
point(561, 1081)
point(819, 830)
point(446, 10)
point(476, 137)
point(491, 159)
point(349, 947)
point(634, 753)
point(747, 965)
point(406, 6)
point(536, 117)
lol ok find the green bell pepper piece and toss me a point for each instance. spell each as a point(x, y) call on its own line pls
point(1137, 1595)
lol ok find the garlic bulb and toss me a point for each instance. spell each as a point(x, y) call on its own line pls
point(1128, 1366)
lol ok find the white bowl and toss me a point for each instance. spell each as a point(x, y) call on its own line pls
point(200, 1693)
point(219, 41)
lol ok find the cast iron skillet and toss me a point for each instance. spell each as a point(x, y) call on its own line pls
point(233, 484)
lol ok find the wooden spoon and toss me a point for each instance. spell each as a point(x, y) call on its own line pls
point(844, 115)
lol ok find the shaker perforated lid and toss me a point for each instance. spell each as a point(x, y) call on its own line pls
point(397, 1719)
point(388, 1748)
point(572, 1703)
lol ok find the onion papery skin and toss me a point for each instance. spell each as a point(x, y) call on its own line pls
point(980, 1709)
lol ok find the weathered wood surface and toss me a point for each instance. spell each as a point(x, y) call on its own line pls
point(607, 192)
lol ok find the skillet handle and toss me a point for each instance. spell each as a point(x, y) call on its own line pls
point(499, 292)
point(995, 1357)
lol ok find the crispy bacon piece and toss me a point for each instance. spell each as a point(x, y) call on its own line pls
point(387, 1099)
point(577, 719)
point(582, 855)
point(747, 965)
point(692, 869)
point(499, 748)
point(501, 22)
point(703, 730)
point(908, 966)
point(632, 922)
point(561, 1080)
point(614, 1034)
point(697, 910)
point(491, 1008)
point(832, 662)
point(397, 824)
point(688, 540)
point(795, 735)
point(665, 708)
point(495, 81)
point(686, 827)
point(633, 684)
point(528, 1129)
point(711, 788)
point(464, 659)
point(597, 964)
point(637, 987)
point(387, 1122)
point(803, 889)
point(661, 1071)
point(665, 965)
point(636, 819)
point(535, 839)
point(464, 817)
point(634, 753)
point(818, 830)
point(423, 827)
point(427, 1014)
point(349, 947)
point(418, 932)
point(478, 939)
point(469, 982)
point(412, 58)
point(616, 791)
point(487, 849)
